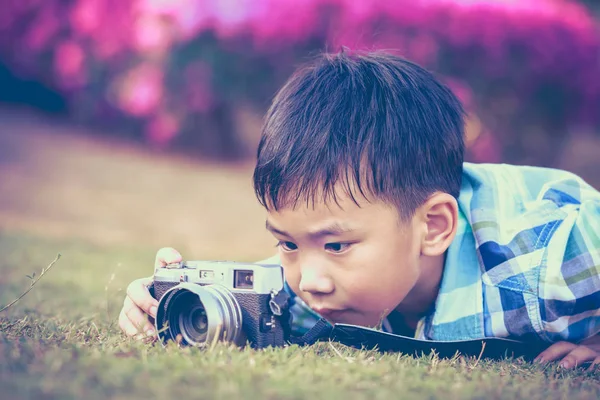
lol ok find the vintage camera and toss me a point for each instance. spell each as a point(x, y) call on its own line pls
point(201, 302)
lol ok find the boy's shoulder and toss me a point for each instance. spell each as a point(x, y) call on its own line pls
point(522, 183)
point(525, 254)
point(528, 207)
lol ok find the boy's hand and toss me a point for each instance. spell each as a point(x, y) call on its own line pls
point(572, 354)
point(139, 303)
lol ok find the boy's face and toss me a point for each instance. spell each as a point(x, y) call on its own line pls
point(351, 264)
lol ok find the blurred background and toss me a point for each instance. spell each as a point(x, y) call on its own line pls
point(135, 123)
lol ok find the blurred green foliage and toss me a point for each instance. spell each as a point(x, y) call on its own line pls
point(177, 74)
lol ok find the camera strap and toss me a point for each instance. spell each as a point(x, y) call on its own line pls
point(491, 347)
point(367, 338)
point(321, 330)
point(280, 306)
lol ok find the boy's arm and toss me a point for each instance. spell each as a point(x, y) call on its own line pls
point(570, 286)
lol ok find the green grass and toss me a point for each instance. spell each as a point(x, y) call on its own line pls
point(61, 341)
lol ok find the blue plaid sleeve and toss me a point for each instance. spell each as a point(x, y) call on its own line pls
point(569, 292)
point(537, 235)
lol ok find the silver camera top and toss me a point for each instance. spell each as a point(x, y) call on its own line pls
point(235, 276)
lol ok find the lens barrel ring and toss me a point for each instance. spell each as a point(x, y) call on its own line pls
point(222, 309)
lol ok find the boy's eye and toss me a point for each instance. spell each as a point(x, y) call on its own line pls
point(287, 246)
point(337, 247)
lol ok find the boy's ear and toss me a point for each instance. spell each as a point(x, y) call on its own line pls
point(440, 219)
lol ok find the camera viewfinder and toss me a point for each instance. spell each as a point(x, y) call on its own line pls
point(243, 279)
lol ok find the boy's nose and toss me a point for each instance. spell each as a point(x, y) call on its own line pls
point(315, 282)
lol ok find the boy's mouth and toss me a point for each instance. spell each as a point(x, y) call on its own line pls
point(330, 314)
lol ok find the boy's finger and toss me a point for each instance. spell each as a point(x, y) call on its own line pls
point(145, 337)
point(130, 329)
point(556, 351)
point(138, 318)
point(166, 255)
point(138, 293)
point(126, 325)
point(578, 356)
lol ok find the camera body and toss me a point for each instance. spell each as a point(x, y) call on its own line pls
point(205, 301)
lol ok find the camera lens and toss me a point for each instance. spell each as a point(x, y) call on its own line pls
point(192, 318)
point(199, 320)
point(196, 315)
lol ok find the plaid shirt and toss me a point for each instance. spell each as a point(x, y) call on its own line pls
point(525, 263)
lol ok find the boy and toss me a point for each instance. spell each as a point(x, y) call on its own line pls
point(360, 169)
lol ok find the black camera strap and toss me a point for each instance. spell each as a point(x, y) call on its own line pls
point(491, 347)
point(367, 338)
point(321, 330)
point(280, 306)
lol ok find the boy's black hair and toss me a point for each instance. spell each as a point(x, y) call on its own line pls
point(374, 122)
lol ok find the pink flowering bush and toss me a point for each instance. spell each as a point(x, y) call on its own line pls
point(176, 70)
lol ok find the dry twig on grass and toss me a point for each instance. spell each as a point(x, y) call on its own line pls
point(33, 282)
